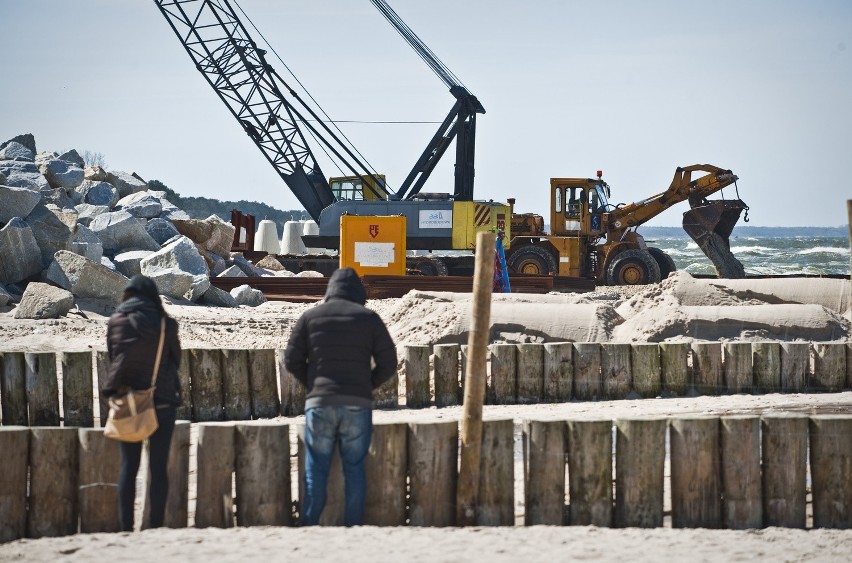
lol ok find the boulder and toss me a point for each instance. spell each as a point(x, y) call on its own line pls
point(21, 255)
point(98, 193)
point(73, 157)
point(107, 263)
point(161, 230)
point(85, 278)
point(119, 230)
point(59, 198)
point(87, 212)
point(2, 179)
point(250, 269)
point(140, 204)
point(171, 262)
point(172, 213)
point(95, 174)
point(216, 297)
point(270, 262)
point(213, 234)
point(44, 156)
point(51, 230)
point(21, 174)
point(5, 298)
point(26, 139)
point(128, 262)
point(216, 263)
point(43, 301)
point(60, 174)
point(17, 202)
point(125, 183)
point(246, 295)
point(233, 272)
point(86, 243)
point(308, 274)
point(16, 151)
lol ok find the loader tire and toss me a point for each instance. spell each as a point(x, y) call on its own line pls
point(430, 266)
point(633, 267)
point(664, 261)
point(531, 259)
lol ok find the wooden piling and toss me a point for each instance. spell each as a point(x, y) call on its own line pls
point(292, 391)
point(386, 467)
point(742, 490)
point(15, 445)
point(829, 366)
point(530, 373)
point(77, 397)
point(236, 394)
point(674, 367)
point(177, 502)
point(785, 448)
point(496, 503)
point(53, 482)
point(766, 359)
point(262, 474)
point(462, 372)
point(795, 366)
point(590, 472)
point(587, 371)
point(387, 395)
point(206, 385)
point(849, 365)
point(640, 453)
point(707, 367)
point(446, 375)
point(215, 461)
point(13, 389)
point(738, 367)
point(102, 365)
point(544, 472)
point(184, 411)
point(616, 375)
point(695, 473)
point(332, 514)
point(97, 498)
point(433, 473)
point(558, 372)
point(264, 384)
point(645, 362)
point(831, 468)
point(504, 370)
point(416, 365)
point(42, 389)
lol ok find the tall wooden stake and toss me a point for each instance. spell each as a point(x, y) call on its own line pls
point(467, 492)
point(849, 212)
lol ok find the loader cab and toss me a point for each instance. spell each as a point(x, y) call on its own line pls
point(578, 206)
point(357, 188)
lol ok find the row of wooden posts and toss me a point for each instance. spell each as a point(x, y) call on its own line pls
point(252, 384)
point(725, 472)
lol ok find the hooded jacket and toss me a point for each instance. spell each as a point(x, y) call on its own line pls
point(332, 346)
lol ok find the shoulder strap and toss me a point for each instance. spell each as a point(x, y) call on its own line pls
point(159, 351)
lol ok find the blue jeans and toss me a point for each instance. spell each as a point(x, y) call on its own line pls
point(325, 427)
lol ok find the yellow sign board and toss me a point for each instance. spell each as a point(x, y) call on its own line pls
point(372, 244)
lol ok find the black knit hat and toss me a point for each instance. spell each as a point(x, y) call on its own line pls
point(144, 287)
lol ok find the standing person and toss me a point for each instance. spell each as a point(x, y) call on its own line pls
point(330, 351)
point(133, 335)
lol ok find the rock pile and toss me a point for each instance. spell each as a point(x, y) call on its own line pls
point(85, 230)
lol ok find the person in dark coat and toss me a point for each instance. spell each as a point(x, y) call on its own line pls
point(133, 335)
point(331, 351)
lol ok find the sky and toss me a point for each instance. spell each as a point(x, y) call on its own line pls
point(635, 89)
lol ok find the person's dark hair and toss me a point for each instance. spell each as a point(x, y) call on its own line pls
point(144, 287)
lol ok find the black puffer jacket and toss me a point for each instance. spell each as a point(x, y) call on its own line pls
point(332, 345)
point(133, 333)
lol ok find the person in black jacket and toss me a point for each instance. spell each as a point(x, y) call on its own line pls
point(330, 351)
point(133, 335)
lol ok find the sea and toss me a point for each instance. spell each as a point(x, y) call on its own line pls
point(763, 251)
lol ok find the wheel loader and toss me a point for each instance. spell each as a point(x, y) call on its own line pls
point(592, 238)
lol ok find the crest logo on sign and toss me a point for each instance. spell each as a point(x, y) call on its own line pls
point(374, 231)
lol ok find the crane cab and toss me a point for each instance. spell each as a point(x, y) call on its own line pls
point(358, 188)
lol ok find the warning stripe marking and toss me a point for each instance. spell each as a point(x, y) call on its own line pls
point(481, 215)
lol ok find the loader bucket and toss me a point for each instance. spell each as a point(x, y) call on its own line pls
point(710, 226)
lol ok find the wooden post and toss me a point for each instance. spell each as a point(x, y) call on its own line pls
point(831, 468)
point(262, 474)
point(97, 498)
point(616, 375)
point(416, 365)
point(496, 504)
point(386, 467)
point(468, 493)
point(446, 375)
point(742, 491)
point(264, 384)
point(177, 507)
point(236, 393)
point(462, 370)
point(795, 365)
point(849, 366)
point(640, 453)
point(544, 472)
point(738, 367)
point(645, 360)
point(206, 385)
point(332, 514)
point(215, 460)
point(387, 395)
point(504, 368)
point(590, 472)
point(292, 391)
point(42, 389)
point(674, 367)
point(829, 366)
point(184, 411)
point(695, 482)
point(15, 445)
point(785, 450)
point(587, 371)
point(707, 367)
point(77, 397)
point(53, 482)
point(433, 473)
point(13, 389)
point(102, 365)
point(558, 372)
point(766, 358)
point(530, 373)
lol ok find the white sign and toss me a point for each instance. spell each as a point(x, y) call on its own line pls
point(374, 254)
point(436, 219)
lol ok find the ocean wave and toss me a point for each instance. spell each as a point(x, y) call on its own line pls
point(825, 249)
point(752, 249)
